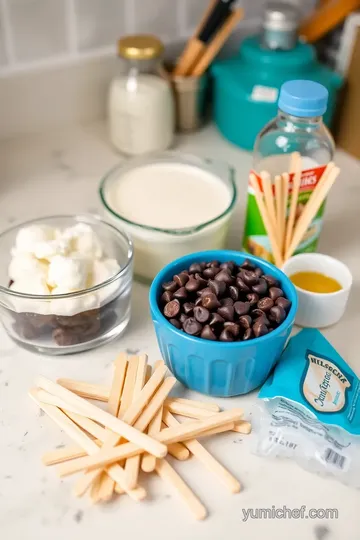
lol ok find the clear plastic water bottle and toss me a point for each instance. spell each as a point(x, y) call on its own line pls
point(298, 127)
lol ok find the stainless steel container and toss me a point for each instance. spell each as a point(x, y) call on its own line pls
point(190, 101)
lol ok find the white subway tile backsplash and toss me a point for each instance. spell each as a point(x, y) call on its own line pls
point(194, 12)
point(37, 28)
point(157, 17)
point(100, 23)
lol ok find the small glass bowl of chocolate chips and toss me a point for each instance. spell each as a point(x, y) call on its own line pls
point(65, 283)
point(231, 302)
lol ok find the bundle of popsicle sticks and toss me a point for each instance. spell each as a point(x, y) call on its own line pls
point(277, 205)
point(136, 431)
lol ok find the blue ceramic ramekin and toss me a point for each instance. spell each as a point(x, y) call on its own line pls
point(213, 367)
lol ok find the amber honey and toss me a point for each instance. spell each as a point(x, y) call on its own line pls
point(315, 282)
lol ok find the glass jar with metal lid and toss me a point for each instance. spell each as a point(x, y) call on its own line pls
point(141, 108)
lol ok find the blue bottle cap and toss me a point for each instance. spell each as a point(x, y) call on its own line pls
point(303, 98)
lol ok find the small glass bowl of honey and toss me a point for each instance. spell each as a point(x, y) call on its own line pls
point(323, 285)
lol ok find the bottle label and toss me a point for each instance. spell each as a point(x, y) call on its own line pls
point(256, 240)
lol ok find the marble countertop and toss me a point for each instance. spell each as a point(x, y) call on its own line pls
point(59, 173)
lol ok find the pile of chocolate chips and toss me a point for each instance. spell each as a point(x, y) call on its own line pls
point(224, 302)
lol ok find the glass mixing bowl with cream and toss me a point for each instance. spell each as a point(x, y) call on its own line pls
point(65, 283)
point(171, 205)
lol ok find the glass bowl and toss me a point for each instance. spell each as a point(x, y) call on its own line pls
point(67, 323)
point(156, 247)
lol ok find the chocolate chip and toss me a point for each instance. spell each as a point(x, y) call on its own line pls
point(216, 319)
point(188, 307)
point(259, 328)
point(234, 293)
point(202, 282)
point(258, 272)
point(192, 326)
point(242, 308)
point(245, 321)
point(227, 301)
point(210, 273)
point(227, 312)
point(210, 301)
point(217, 287)
point(224, 276)
point(198, 301)
point(203, 265)
point(181, 293)
point(283, 302)
point(169, 286)
point(257, 313)
point(261, 287)
point(252, 298)
point(277, 314)
point(195, 268)
point(247, 334)
point(230, 265)
point(233, 328)
point(264, 319)
point(265, 303)
point(176, 323)
point(201, 314)
point(249, 277)
point(207, 333)
point(172, 309)
point(166, 297)
point(65, 338)
point(242, 285)
point(226, 335)
point(207, 290)
point(213, 264)
point(248, 265)
point(192, 285)
point(183, 318)
point(275, 292)
point(181, 279)
point(270, 280)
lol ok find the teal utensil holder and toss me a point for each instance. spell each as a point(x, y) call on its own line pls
point(246, 87)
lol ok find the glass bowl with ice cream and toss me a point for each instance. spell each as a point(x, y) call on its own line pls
point(171, 204)
point(65, 283)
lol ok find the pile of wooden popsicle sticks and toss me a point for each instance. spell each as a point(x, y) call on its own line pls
point(136, 431)
point(278, 206)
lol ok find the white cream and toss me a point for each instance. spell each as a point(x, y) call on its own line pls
point(47, 261)
point(169, 196)
point(173, 195)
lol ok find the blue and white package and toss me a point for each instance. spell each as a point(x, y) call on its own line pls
point(310, 409)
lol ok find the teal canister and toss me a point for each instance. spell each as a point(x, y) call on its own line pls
point(246, 87)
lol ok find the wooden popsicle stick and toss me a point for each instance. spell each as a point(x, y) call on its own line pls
point(269, 199)
point(132, 465)
point(105, 483)
point(311, 208)
point(129, 413)
point(95, 488)
point(61, 455)
point(50, 399)
point(285, 201)
point(78, 436)
point(148, 461)
point(87, 390)
point(217, 42)
point(279, 210)
point(296, 167)
point(115, 424)
point(191, 51)
point(267, 223)
point(126, 397)
point(88, 425)
point(210, 406)
point(167, 473)
point(178, 451)
point(117, 473)
point(181, 433)
point(206, 458)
